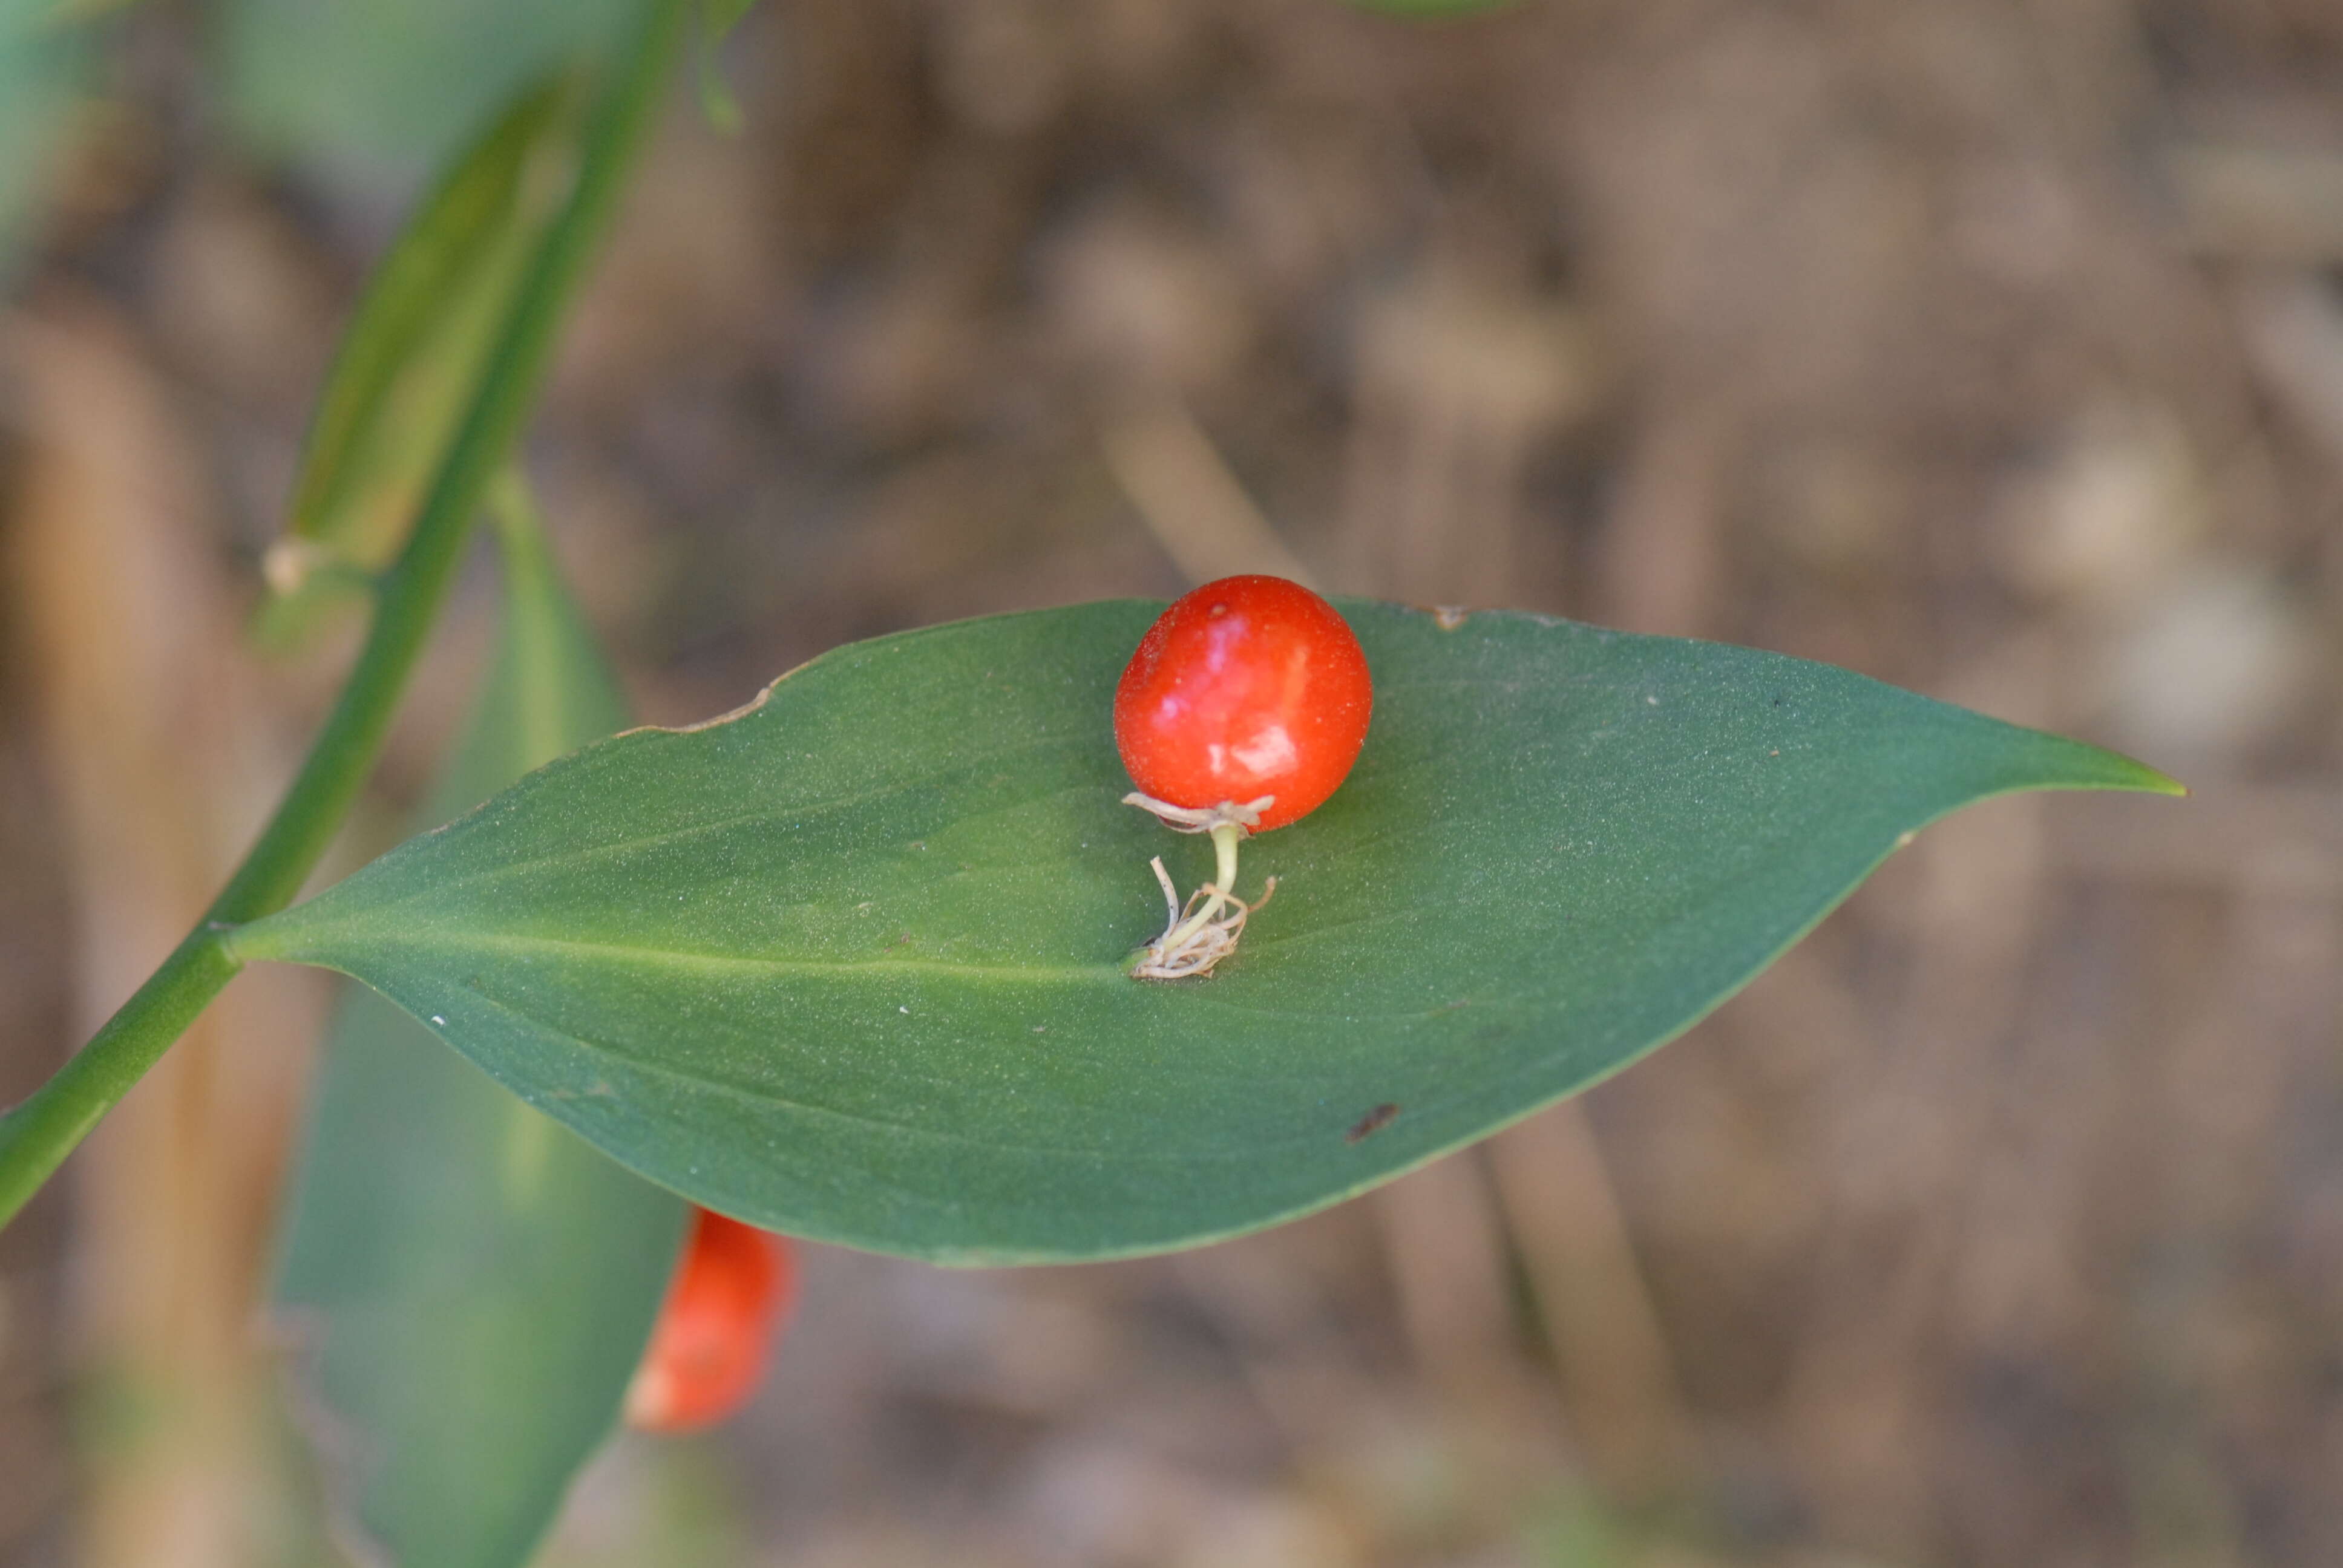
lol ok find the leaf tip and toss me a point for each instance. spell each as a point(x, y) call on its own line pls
point(2138, 775)
point(2080, 765)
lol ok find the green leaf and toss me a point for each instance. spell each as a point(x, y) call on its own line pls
point(378, 92)
point(474, 1282)
point(43, 64)
point(720, 16)
point(412, 355)
point(717, 18)
point(847, 963)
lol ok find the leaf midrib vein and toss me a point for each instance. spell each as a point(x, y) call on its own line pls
point(521, 942)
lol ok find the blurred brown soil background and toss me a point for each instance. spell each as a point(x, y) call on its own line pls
point(1993, 347)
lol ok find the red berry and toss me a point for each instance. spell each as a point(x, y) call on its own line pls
point(1247, 686)
point(732, 1288)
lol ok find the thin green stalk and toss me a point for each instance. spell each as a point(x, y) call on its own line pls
point(36, 1136)
point(1225, 836)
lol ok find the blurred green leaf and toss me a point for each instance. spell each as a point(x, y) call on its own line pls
point(720, 16)
point(43, 64)
point(849, 963)
point(685, 1511)
point(1575, 1529)
point(412, 355)
point(717, 18)
point(472, 1282)
point(379, 92)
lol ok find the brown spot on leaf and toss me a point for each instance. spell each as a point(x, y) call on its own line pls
point(1373, 1122)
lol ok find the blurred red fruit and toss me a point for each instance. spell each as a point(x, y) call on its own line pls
point(732, 1291)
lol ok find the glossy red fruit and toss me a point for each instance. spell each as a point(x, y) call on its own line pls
point(1249, 686)
point(733, 1289)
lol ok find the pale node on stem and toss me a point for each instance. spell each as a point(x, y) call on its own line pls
point(1198, 935)
point(288, 563)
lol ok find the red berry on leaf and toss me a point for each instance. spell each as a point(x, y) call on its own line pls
point(733, 1288)
point(1247, 686)
point(1242, 710)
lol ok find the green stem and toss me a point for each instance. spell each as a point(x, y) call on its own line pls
point(1226, 836)
point(36, 1136)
